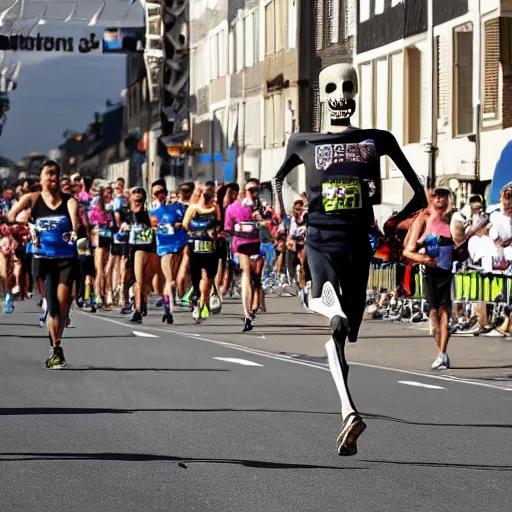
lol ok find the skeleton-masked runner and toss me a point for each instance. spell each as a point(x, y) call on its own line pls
point(343, 183)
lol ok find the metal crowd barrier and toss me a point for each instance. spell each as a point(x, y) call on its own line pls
point(467, 285)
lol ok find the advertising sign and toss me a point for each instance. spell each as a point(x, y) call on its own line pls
point(123, 40)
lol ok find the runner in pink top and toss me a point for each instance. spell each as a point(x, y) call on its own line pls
point(242, 222)
point(239, 219)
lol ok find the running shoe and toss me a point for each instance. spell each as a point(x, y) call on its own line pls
point(44, 305)
point(69, 323)
point(441, 363)
point(205, 313)
point(137, 317)
point(42, 318)
point(126, 310)
point(9, 304)
point(352, 428)
point(196, 315)
point(253, 314)
point(185, 300)
point(159, 302)
point(167, 318)
point(56, 359)
point(40, 303)
point(491, 334)
point(144, 309)
point(247, 325)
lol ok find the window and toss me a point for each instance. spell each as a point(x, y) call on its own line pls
point(364, 10)
point(231, 52)
point(379, 7)
point(239, 46)
point(256, 42)
point(332, 19)
point(492, 69)
point(214, 50)
point(275, 14)
point(221, 38)
point(413, 95)
point(274, 121)
point(381, 96)
point(396, 2)
point(366, 95)
point(249, 41)
point(292, 24)
point(205, 63)
point(396, 108)
point(280, 15)
point(319, 25)
point(270, 41)
point(463, 79)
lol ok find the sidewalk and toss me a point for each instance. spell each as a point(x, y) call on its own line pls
point(287, 328)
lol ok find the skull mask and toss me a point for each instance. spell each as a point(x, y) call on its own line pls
point(338, 88)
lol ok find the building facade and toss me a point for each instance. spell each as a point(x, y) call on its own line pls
point(438, 80)
point(244, 85)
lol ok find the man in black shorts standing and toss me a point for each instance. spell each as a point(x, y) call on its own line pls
point(343, 182)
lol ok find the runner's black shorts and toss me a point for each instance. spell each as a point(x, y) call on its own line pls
point(438, 288)
point(86, 264)
point(120, 250)
point(61, 270)
point(104, 243)
point(222, 249)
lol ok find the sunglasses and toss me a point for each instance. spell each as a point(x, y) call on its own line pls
point(507, 195)
point(253, 190)
point(160, 191)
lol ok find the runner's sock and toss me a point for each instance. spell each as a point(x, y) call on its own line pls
point(339, 371)
point(87, 295)
point(167, 304)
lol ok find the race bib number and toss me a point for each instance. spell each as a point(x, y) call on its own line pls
point(246, 227)
point(203, 246)
point(166, 229)
point(141, 235)
point(341, 194)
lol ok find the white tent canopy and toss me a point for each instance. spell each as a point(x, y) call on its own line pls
point(21, 16)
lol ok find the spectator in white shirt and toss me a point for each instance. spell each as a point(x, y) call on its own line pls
point(501, 224)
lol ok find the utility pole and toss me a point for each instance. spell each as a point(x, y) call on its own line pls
point(477, 84)
point(431, 145)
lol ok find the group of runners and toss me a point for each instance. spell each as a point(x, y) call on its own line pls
point(106, 246)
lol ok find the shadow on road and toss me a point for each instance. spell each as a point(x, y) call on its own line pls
point(28, 411)
point(427, 424)
point(115, 369)
point(45, 336)
point(15, 411)
point(145, 457)
point(480, 467)
point(497, 367)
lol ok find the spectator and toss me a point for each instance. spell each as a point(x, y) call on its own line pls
point(501, 225)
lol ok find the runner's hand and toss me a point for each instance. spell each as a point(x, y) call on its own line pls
point(430, 262)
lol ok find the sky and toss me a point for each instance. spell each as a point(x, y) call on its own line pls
point(59, 91)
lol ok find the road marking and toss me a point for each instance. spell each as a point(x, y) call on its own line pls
point(144, 334)
point(419, 384)
point(235, 360)
point(312, 364)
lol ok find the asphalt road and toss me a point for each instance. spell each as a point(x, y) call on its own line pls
point(160, 423)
